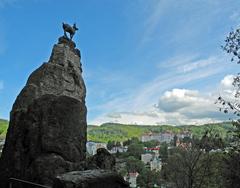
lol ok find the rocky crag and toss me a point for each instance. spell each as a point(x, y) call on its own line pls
point(47, 129)
point(47, 132)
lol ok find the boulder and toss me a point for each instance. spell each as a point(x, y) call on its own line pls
point(102, 159)
point(90, 179)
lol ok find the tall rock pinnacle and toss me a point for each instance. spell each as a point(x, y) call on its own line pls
point(47, 129)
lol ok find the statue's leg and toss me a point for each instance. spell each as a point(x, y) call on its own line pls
point(71, 36)
point(65, 34)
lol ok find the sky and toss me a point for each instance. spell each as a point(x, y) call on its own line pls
point(144, 62)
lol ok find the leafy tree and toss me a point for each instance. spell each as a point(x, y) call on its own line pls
point(210, 141)
point(151, 144)
point(232, 47)
point(110, 145)
point(186, 139)
point(123, 172)
point(131, 141)
point(231, 170)
point(188, 168)
point(194, 166)
point(135, 150)
point(126, 142)
point(175, 140)
point(148, 178)
point(118, 144)
point(232, 161)
point(163, 152)
point(134, 165)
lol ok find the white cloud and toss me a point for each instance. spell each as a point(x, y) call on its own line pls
point(189, 63)
point(226, 89)
point(178, 61)
point(178, 106)
point(227, 81)
point(152, 21)
point(189, 104)
point(198, 64)
point(177, 99)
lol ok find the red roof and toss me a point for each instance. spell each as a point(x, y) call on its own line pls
point(152, 148)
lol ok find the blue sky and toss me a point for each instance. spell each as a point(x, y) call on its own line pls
point(144, 62)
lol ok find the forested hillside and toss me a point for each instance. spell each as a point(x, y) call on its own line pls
point(119, 132)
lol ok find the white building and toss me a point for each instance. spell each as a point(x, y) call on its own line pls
point(93, 146)
point(132, 179)
point(164, 137)
point(156, 164)
point(161, 137)
point(146, 158)
point(119, 149)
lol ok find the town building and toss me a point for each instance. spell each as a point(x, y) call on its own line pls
point(156, 164)
point(119, 149)
point(146, 158)
point(161, 137)
point(132, 179)
point(154, 150)
point(166, 136)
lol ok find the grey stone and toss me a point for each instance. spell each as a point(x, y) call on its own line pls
point(102, 159)
point(47, 129)
point(90, 179)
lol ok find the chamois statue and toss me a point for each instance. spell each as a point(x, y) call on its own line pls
point(70, 29)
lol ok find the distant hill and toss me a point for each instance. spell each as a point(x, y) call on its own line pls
point(3, 128)
point(120, 132)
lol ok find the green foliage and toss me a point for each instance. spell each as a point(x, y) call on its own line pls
point(110, 145)
point(113, 132)
point(195, 166)
point(231, 170)
point(189, 168)
point(151, 144)
point(134, 165)
point(163, 152)
point(3, 128)
point(148, 178)
point(136, 149)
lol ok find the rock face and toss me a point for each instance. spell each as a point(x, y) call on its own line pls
point(90, 179)
point(102, 159)
point(47, 130)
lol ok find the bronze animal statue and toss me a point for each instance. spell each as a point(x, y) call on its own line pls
point(70, 29)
